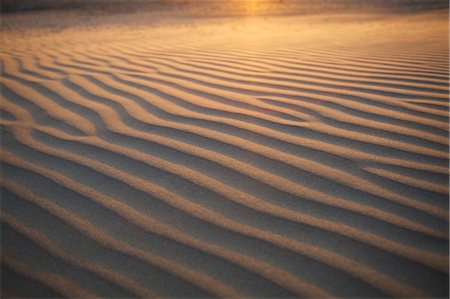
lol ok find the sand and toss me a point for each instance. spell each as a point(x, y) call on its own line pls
point(168, 154)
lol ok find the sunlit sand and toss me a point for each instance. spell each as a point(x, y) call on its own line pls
point(247, 149)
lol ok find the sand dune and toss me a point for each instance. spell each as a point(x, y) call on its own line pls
point(301, 156)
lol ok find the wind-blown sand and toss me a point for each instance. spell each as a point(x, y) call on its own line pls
point(250, 156)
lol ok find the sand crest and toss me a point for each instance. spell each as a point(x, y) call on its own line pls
point(266, 156)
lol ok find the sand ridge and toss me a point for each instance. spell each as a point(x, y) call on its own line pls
point(233, 157)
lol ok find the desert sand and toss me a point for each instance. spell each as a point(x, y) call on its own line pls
point(192, 153)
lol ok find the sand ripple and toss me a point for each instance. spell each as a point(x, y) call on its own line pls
point(140, 166)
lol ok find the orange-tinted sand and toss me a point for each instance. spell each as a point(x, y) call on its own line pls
point(253, 156)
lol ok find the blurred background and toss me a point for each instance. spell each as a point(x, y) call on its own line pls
point(220, 6)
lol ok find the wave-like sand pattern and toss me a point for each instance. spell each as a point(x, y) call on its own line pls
point(174, 162)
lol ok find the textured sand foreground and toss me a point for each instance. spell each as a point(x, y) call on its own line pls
point(301, 156)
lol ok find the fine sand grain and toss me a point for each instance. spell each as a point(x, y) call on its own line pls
point(153, 155)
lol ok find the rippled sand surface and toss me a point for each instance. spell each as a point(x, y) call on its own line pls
point(235, 157)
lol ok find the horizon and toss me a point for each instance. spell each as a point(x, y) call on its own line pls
point(32, 5)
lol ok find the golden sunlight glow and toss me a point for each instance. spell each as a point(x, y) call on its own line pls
point(252, 6)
